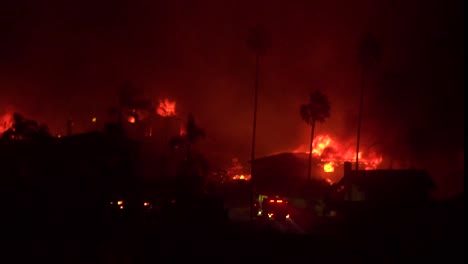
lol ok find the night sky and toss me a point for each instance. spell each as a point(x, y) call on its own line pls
point(66, 59)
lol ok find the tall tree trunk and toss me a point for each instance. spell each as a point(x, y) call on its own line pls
point(309, 170)
point(360, 117)
point(254, 132)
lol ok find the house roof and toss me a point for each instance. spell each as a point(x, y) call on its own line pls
point(282, 174)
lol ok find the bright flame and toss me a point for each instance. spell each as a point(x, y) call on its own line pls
point(119, 202)
point(328, 167)
point(241, 177)
point(166, 108)
point(131, 119)
point(321, 142)
point(93, 120)
point(332, 154)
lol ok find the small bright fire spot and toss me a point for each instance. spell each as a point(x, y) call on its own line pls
point(131, 119)
point(94, 120)
point(241, 177)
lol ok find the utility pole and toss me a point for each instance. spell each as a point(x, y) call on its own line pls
point(258, 41)
point(369, 55)
point(254, 133)
point(360, 117)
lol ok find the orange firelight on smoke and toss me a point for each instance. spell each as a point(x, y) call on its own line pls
point(166, 108)
point(6, 122)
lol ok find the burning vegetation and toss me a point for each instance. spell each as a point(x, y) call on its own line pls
point(166, 108)
point(237, 171)
point(332, 154)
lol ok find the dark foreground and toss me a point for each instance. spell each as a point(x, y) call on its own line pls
point(71, 236)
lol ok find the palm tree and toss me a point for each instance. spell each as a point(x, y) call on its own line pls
point(259, 41)
point(369, 54)
point(317, 109)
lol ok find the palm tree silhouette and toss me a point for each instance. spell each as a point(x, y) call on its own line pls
point(369, 54)
point(317, 109)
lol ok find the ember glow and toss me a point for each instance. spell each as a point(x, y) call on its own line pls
point(332, 154)
point(242, 177)
point(182, 131)
point(6, 122)
point(166, 108)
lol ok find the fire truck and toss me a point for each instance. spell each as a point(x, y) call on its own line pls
point(273, 208)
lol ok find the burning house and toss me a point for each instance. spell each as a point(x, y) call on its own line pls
point(286, 174)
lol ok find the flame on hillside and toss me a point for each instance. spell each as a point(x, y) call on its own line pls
point(332, 154)
point(237, 171)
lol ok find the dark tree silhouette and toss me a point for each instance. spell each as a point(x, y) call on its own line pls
point(317, 109)
point(369, 54)
point(193, 168)
point(130, 99)
point(23, 128)
point(192, 135)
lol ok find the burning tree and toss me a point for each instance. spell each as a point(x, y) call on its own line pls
point(166, 108)
point(317, 109)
